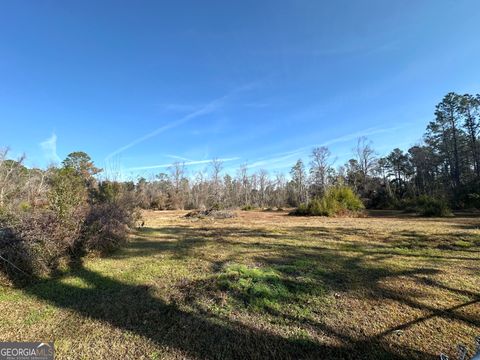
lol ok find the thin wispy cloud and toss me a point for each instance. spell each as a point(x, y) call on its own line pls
point(355, 135)
point(187, 163)
point(204, 110)
point(293, 154)
point(176, 157)
point(49, 147)
point(273, 160)
point(209, 108)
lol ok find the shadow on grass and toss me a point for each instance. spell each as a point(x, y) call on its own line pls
point(296, 273)
point(182, 241)
point(201, 336)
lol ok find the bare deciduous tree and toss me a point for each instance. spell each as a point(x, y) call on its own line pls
point(216, 182)
point(244, 183)
point(320, 166)
point(177, 173)
point(365, 156)
point(263, 183)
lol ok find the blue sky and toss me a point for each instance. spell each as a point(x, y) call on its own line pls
point(141, 84)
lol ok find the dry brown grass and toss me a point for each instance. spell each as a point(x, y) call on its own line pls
point(264, 285)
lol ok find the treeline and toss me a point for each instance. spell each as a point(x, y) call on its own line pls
point(50, 218)
point(445, 168)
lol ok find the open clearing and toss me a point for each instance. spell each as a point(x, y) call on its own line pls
point(263, 285)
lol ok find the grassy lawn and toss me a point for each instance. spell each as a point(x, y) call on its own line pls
point(263, 285)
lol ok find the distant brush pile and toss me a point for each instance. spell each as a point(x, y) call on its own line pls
point(211, 214)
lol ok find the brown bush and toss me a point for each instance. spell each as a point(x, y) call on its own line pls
point(107, 224)
point(60, 216)
point(38, 242)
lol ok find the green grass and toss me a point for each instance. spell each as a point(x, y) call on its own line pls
point(270, 290)
point(263, 285)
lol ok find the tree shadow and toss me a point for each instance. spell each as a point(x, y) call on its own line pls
point(200, 336)
point(206, 335)
point(182, 241)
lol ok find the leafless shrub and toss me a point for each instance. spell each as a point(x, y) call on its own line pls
point(107, 224)
point(37, 242)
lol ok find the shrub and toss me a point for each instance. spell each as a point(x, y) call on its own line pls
point(107, 191)
point(37, 242)
point(67, 194)
point(425, 205)
point(339, 200)
point(473, 200)
point(248, 208)
point(345, 198)
point(105, 228)
point(60, 215)
point(429, 206)
point(107, 224)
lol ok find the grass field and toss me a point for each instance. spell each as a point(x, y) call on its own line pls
point(263, 285)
